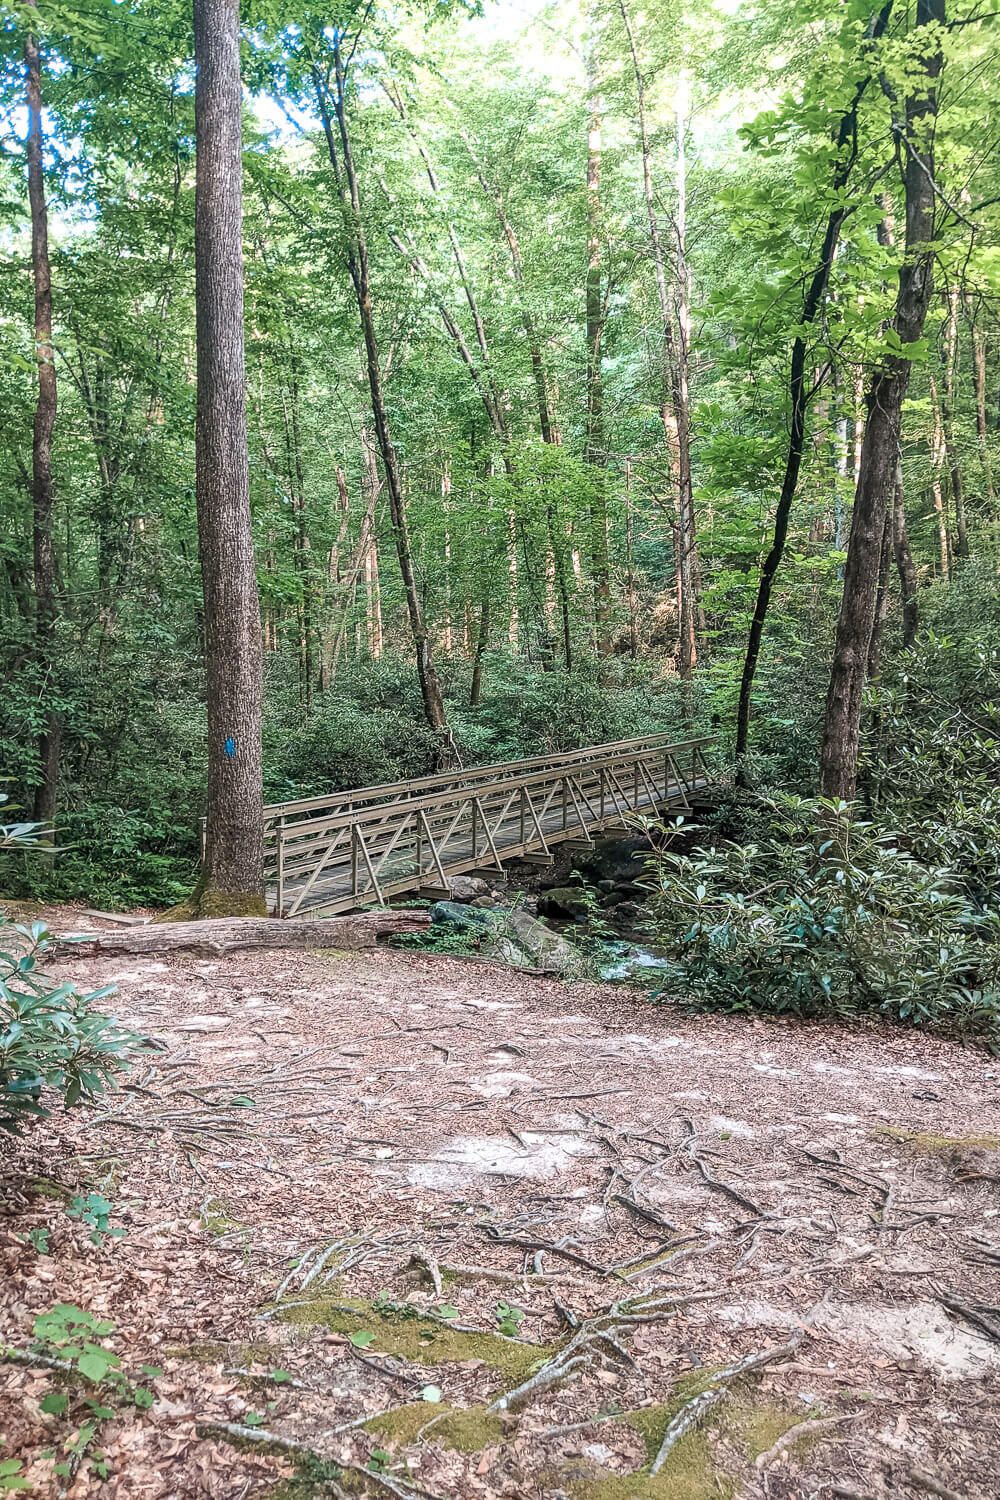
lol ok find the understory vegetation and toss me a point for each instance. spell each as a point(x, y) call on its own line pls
point(600, 374)
point(798, 906)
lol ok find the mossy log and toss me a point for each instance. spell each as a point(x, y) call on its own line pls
point(218, 936)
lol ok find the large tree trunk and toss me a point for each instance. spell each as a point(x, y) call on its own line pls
point(799, 396)
point(880, 448)
point(42, 488)
point(232, 880)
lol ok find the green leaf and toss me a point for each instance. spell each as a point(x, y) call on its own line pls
point(95, 1364)
point(362, 1339)
point(54, 1403)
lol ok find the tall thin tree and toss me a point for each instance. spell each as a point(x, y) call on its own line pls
point(595, 447)
point(330, 86)
point(880, 448)
point(799, 391)
point(232, 878)
point(42, 486)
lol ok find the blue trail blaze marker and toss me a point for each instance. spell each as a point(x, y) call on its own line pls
point(230, 746)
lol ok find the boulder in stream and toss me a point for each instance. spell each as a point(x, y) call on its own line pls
point(515, 937)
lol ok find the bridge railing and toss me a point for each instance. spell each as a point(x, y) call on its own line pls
point(358, 847)
point(358, 797)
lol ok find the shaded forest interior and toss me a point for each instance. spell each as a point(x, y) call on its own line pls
point(607, 371)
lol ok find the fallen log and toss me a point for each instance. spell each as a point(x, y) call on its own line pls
point(218, 936)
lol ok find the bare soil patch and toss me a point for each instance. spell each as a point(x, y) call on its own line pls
point(390, 1177)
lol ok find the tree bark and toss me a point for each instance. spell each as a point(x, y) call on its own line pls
point(938, 456)
point(799, 394)
point(42, 487)
point(950, 374)
point(979, 386)
point(880, 447)
point(232, 934)
point(232, 879)
point(904, 562)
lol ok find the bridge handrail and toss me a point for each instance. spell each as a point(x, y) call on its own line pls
point(499, 770)
point(298, 838)
point(414, 832)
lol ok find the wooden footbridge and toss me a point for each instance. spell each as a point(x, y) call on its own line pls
point(363, 847)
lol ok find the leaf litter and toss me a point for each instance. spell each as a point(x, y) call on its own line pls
point(365, 1254)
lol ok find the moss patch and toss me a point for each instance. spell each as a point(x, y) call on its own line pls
point(760, 1427)
point(690, 1473)
point(226, 1354)
point(47, 1187)
point(465, 1429)
point(208, 901)
point(650, 1422)
point(215, 1220)
point(927, 1141)
point(422, 1340)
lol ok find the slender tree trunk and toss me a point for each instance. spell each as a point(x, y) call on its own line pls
point(482, 642)
point(948, 407)
point(631, 593)
point(595, 450)
point(232, 879)
point(295, 479)
point(336, 604)
point(799, 394)
point(881, 600)
point(449, 622)
point(690, 566)
point(979, 386)
point(675, 398)
point(880, 449)
point(42, 487)
point(371, 489)
point(938, 456)
point(904, 561)
point(333, 106)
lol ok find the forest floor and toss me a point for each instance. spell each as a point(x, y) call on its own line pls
point(366, 1195)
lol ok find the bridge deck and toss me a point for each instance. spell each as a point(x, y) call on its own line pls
point(356, 848)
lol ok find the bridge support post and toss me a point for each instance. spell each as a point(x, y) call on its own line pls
point(280, 863)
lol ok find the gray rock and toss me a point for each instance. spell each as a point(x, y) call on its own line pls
point(542, 948)
point(467, 887)
point(565, 901)
point(515, 937)
point(472, 918)
point(485, 902)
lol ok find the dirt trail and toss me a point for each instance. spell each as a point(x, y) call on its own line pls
point(467, 1163)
